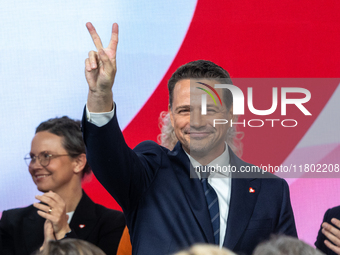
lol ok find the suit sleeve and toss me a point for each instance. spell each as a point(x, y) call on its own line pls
point(124, 173)
point(286, 224)
point(6, 238)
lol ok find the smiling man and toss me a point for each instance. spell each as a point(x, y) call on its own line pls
point(167, 205)
point(196, 132)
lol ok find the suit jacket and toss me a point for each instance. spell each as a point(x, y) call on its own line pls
point(22, 229)
point(330, 213)
point(166, 210)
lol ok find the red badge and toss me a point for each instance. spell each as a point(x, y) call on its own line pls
point(251, 190)
point(82, 225)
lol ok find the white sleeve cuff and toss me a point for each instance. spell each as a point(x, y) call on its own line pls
point(99, 118)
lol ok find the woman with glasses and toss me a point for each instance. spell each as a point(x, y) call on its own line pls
point(57, 164)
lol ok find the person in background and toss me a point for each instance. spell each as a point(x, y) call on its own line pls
point(328, 239)
point(206, 249)
point(57, 164)
point(70, 246)
point(285, 245)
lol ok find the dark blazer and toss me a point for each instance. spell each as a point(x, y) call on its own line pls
point(22, 229)
point(330, 213)
point(166, 210)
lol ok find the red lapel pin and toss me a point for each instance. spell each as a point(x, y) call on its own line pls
point(82, 225)
point(251, 190)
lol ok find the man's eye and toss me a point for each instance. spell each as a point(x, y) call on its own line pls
point(183, 111)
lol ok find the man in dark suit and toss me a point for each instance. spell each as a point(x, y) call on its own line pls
point(169, 198)
point(328, 239)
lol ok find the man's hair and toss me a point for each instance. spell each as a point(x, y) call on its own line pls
point(70, 246)
point(285, 245)
point(201, 69)
point(71, 134)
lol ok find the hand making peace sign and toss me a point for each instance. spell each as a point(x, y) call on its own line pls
point(100, 71)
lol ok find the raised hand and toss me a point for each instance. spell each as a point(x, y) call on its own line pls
point(333, 234)
point(55, 212)
point(100, 71)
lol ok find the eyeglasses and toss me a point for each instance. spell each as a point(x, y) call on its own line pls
point(43, 157)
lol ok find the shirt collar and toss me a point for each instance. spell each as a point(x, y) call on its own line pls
point(221, 161)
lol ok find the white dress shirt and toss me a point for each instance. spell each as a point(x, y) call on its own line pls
point(70, 215)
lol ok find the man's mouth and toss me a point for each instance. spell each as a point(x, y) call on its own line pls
point(198, 134)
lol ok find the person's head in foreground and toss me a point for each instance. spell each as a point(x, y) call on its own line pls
point(196, 131)
point(57, 160)
point(206, 249)
point(70, 246)
point(285, 245)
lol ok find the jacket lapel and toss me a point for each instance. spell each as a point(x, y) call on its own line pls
point(84, 218)
point(192, 190)
point(242, 203)
point(33, 230)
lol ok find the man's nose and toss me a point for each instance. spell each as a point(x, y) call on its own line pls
point(197, 119)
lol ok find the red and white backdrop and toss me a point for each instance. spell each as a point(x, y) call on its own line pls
point(44, 45)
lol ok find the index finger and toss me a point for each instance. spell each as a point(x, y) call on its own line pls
point(47, 200)
point(114, 37)
point(95, 37)
point(54, 196)
point(51, 199)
